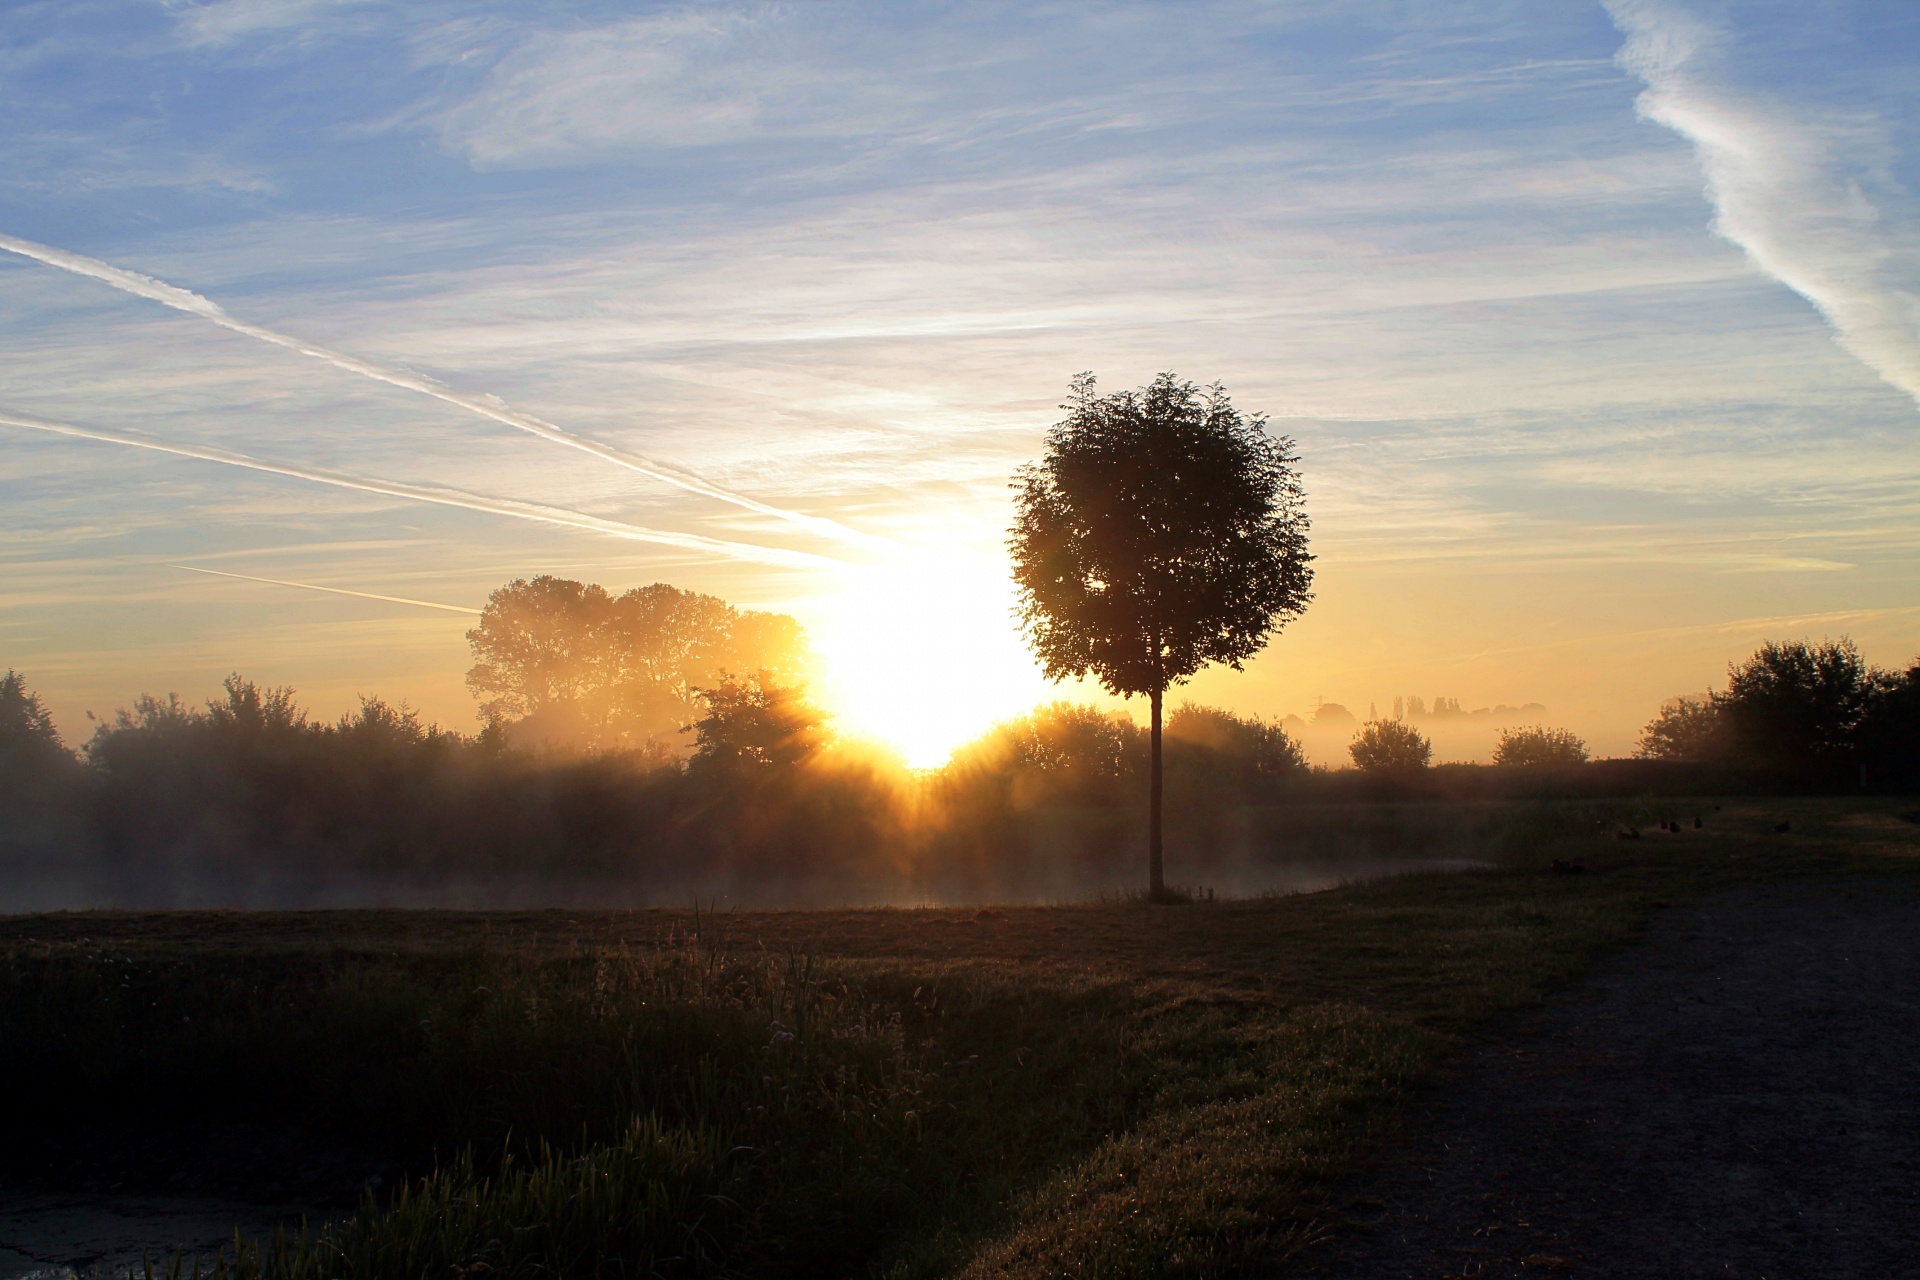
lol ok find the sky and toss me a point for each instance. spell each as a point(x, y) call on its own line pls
point(1596, 326)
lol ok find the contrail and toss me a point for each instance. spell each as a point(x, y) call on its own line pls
point(336, 591)
point(486, 406)
point(444, 497)
point(1786, 188)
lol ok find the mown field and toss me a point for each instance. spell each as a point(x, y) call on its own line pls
point(1099, 1089)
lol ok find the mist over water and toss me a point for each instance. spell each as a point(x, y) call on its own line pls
point(104, 889)
point(596, 800)
point(248, 804)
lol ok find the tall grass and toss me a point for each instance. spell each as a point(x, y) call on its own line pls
point(1115, 1090)
point(652, 1203)
point(670, 1110)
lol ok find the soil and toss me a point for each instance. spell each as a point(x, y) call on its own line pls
point(1737, 1097)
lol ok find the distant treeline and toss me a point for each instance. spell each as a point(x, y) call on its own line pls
point(583, 787)
point(249, 800)
point(1801, 717)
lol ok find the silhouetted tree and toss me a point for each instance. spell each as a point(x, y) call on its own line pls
point(754, 723)
point(1387, 746)
point(1257, 750)
point(1163, 530)
point(1537, 747)
point(36, 768)
point(567, 663)
point(1890, 730)
point(30, 746)
point(1063, 738)
point(1685, 729)
point(1797, 707)
point(1802, 712)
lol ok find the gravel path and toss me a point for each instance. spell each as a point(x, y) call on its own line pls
point(1739, 1097)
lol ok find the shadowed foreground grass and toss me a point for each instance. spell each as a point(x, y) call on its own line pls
point(1102, 1090)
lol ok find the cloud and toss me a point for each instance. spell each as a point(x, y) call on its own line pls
point(677, 79)
point(485, 405)
point(534, 511)
point(1789, 186)
point(228, 21)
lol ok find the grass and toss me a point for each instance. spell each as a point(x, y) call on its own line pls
point(1115, 1089)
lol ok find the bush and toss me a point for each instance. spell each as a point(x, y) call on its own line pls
point(1390, 746)
point(1253, 748)
point(1686, 729)
point(1539, 747)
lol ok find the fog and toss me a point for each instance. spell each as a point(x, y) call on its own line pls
point(244, 802)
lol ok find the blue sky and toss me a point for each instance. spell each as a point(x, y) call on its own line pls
point(1596, 326)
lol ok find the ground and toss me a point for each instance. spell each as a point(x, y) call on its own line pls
point(1736, 1096)
point(1691, 1055)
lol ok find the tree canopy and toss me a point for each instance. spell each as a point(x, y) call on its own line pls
point(754, 724)
point(1537, 747)
point(1797, 704)
point(1685, 729)
point(569, 664)
point(1813, 712)
point(1163, 530)
point(1390, 746)
point(30, 748)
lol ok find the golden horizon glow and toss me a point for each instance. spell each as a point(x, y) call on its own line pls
point(922, 652)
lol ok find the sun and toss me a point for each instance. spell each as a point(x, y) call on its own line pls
point(922, 651)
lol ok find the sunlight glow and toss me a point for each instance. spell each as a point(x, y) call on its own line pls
point(922, 652)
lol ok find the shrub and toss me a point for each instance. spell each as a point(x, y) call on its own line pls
point(1390, 745)
point(1256, 748)
point(1685, 729)
point(1538, 747)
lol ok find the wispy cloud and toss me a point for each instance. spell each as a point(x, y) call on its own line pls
point(225, 21)
point(485, 405)
point(443, 497)
point(335, 591)
point(684, 78)
point(1788, 185)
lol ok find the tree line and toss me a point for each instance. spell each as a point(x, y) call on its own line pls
point(569, 665)
point(247, 799)
point(1803, 715)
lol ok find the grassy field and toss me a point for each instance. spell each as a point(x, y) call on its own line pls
point(1108, 1089)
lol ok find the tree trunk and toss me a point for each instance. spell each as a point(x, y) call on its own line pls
point(1156, 879)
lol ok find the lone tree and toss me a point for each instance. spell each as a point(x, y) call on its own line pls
point(1388, 746)
point(1162, 531)
point(1540, 748)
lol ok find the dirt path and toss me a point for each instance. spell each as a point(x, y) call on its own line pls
point(1738, 1097)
